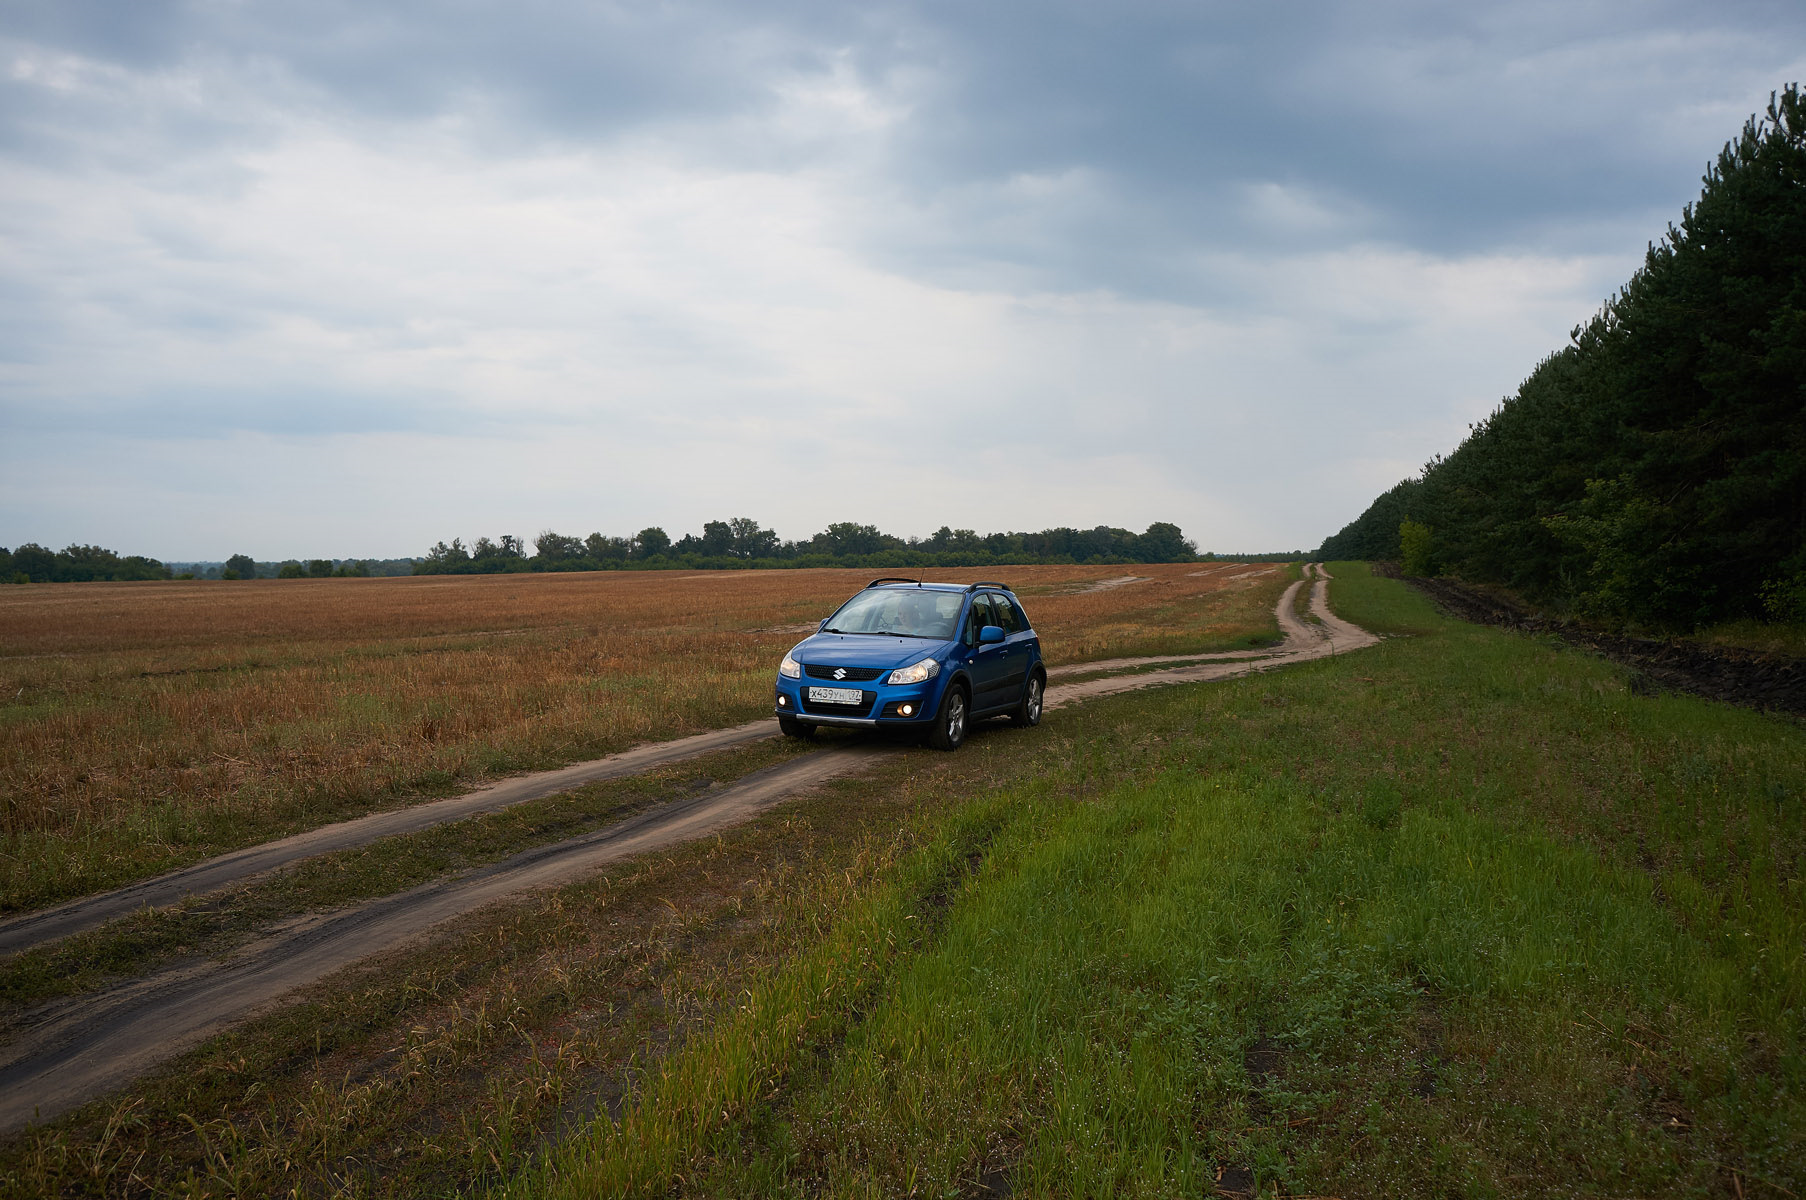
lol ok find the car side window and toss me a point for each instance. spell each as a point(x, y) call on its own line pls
point(980, 617)
point(1012, 619)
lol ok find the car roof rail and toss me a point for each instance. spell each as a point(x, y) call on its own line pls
point(893, 579)
point(973, 587)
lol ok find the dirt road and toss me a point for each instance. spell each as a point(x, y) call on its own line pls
point(103, 1041)
point(40, 928)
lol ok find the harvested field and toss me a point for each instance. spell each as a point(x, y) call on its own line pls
point(150, 725)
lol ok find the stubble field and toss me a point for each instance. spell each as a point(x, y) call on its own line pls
point(151, 725)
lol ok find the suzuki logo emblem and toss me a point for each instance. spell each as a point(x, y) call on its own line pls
point(840, 672)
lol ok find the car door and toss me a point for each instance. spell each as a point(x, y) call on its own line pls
point(987, 666)
point(1018, 640)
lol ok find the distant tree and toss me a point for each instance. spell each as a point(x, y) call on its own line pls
point(751, 541)
point(242, 566)
point(651, 542)
point(606, 549)
point(847, 538)
point(291, 570)
point(717, 538)
point(442, 559)
point(955, 541)
point(319, 568)
point(1164, 542)
point(490, 558)
point(553, 547)
point(356, 570)
point(136, 566)
point(78, 564)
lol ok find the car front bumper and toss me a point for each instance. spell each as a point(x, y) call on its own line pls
point(881, 704)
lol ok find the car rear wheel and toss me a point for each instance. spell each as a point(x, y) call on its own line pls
point(950, 723)
point(795, 728)
point(1029, 711)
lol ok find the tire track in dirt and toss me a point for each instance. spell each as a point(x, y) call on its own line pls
point(1326, 636)
point(77, 916)
point(103, 1041)
point(109, 1039)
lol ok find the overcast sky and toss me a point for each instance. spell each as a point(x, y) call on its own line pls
point(344, 279)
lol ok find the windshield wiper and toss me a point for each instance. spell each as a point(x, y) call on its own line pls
point(897, 633)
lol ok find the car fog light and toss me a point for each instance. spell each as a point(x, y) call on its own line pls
point(783, 701)
point(908, 710)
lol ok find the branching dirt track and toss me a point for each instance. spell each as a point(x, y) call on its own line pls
point(103, 1041)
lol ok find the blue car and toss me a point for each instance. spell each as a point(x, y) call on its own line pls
point(924, 657)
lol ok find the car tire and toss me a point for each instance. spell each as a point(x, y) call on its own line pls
point(949, 728)
point(792, 727)
point(1028, 712)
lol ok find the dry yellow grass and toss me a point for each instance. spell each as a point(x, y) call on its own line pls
point(152, 724)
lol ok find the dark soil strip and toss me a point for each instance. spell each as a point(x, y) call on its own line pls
point(1769, 682)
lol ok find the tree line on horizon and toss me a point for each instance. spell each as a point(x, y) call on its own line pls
point(743, 542)
point(740, 542)
point(1653, 471)
point(32, 563)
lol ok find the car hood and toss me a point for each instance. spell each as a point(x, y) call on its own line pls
point(863, 650)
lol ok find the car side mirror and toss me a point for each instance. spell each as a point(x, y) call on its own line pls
point(990, 635)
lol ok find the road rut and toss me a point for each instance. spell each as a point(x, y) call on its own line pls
point(111, 1039)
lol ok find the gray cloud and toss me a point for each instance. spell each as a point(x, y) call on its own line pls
point(713, 233)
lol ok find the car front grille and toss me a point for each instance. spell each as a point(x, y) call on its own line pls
point(848, 675)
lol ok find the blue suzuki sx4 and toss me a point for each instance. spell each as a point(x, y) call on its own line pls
point(924, 657)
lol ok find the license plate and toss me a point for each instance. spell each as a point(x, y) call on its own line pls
point(836, 695)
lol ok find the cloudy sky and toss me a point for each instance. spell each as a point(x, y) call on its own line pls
point(336, 279)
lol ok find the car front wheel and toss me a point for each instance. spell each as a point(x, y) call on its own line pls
point(1029, 711)
point(792, 727)
point(950, 723)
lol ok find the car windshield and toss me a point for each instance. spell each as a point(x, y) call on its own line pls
point(911, 612)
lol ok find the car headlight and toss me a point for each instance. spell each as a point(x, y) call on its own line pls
point(790, 668)
point(925, 670)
